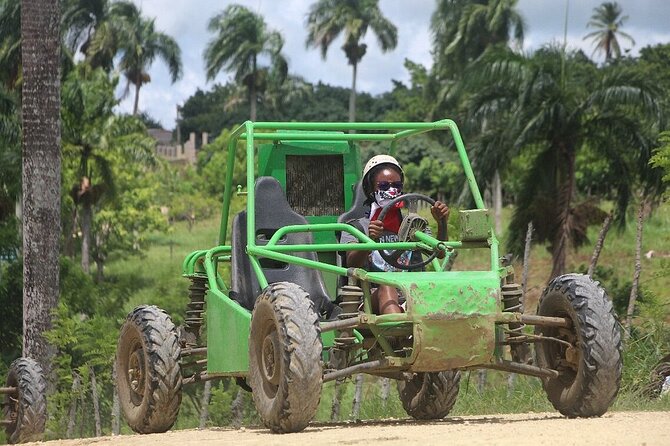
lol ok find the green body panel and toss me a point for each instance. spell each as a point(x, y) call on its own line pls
point(475, 225)
point(454, 319)
point(228, 336)
point(454, 316)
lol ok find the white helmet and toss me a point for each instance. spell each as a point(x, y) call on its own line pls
point(375, 161)
point(381, 159)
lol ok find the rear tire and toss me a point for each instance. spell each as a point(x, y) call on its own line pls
point(657, 379)
point(429, 396)
point(590, 371)
point(27, 407)
point(285, 347)
point(148, 372)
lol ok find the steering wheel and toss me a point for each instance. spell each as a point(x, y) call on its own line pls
point(410, 224)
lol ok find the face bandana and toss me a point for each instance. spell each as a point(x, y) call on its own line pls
point(383, 197)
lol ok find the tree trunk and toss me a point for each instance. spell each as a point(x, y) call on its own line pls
point(252, 92)
point(638, 267)
point(481, 380)
point(511, 384)
point(99, 270)
point(238, 408)
point(99, 256)
point(526, 264)
point(72, 413)
point(599, 243)
point(352, 95)
point(566, 190)
point(69, 248)
point(358, 395)
point(338, 393)
point(86, 224)
point(204, 411)
point(96, 404)
point(40, 49)
point(82, 420)
point(497, 201)
point(386, 390)
point(138, 84)
point(116, 409)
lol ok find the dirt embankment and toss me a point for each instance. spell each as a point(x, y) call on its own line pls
point(616, 428)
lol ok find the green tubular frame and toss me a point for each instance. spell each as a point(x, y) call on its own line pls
point(205, 262)
point(282, 131)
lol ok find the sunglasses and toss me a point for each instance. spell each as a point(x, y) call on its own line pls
point(386, 185)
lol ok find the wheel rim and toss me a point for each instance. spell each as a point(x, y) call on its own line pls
point(566, 359)
point(270, 361)
point(136, 374)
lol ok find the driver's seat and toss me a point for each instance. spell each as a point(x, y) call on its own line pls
point(358, 208)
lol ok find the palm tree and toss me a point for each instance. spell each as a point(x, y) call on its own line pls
point(327, 19)
point(556, 111)
point(608, 21)
point(91, 136)
point(81, 18)
point(462, 32)
point(127, 32)
point(464, 29)
point(40, 47)
point(241, 37)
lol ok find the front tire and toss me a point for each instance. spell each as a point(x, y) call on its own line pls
point(148, 372)
point(27, 406)
point(590, 369)
point(285, 347)
point(429, 396)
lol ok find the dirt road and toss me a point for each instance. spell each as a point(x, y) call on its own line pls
point(615, 428)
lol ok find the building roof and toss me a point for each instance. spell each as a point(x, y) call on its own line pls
point(162, 136)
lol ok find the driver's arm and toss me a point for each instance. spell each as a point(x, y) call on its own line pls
point(440, 211)
point(357, 259)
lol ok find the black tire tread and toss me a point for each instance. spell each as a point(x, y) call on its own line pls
point(438, 399)
point(299, 391)
point(161, 343)
point(27, 375)
point(599, 376)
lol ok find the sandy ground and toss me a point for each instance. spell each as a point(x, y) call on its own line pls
point(616, 428)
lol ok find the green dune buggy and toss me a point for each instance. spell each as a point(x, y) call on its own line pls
point(284, 314)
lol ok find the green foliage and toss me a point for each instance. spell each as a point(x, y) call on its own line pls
point(661, 158)
point(618, 288)
point(10, 173)
point(649, 343)
point(11, 302)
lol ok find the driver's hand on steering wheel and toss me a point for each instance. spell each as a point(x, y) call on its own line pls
point(439, 211)
point(376, 229)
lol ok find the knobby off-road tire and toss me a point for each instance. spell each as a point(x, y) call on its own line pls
point(429, 396)
point(148, 372)
point(27, 407)
point(590, 373)
point(285, 347)
point(657, 378)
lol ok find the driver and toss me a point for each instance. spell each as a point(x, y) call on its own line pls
point(382, 182)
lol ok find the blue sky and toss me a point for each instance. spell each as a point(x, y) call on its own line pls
point(186, 21)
